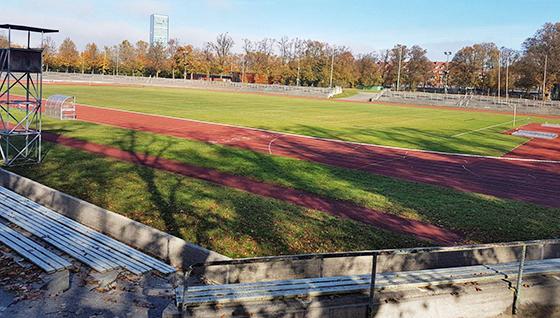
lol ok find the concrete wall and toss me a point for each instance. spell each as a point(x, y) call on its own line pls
point(174, 250)
point(289, 269)
point(539, 298)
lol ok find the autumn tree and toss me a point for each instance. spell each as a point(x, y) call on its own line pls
point(543, 46)
point(259, 58)
point(141, 56)
point(368, 71)
point(475, 66)
point(345, 71)
point(91, 58)
point(170, 51)
point(398, 55)
point(183, 59)
point(68, 54)
point(127, 57)
point(157, 58)
point(418, 68)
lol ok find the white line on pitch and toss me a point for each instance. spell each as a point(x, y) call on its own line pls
point(484, 128)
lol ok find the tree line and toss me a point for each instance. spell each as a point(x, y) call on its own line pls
point(486, 67)
point(482, 66)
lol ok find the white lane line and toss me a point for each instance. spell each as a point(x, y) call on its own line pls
point(270, 145)
point(484, 128)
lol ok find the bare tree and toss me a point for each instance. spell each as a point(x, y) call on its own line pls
point(222, 47)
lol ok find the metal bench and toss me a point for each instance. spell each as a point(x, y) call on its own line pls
point(240, 287)
point(97, 250)
point(325, 286)
point(37, 254)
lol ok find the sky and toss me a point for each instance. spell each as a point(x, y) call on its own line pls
point(363, 26)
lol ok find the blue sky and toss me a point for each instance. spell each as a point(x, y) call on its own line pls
point(363, 26)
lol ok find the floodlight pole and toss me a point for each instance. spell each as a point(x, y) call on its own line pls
point(332, 70)
point(117, 60)
point(499, 73)
point(298, 69)
point(544, 78)
point(399, 69)
point(447, 55)
point(507, 79)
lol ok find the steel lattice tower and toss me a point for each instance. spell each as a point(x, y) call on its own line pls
point(21, 92)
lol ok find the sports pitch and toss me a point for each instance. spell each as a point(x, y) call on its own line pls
point(238, 223)
point(401, 126)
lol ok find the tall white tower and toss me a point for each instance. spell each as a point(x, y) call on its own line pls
point(159, 29)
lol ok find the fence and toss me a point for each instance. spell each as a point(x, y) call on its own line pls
point(457, 256)
point(522, 105)
point(93, 79)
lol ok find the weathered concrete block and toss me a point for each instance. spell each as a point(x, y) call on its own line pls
point(56, 283)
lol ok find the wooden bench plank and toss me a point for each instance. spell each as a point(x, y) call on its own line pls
point(34, 252)
point(104, 252)
point(114, 244)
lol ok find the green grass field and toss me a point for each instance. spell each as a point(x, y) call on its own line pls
point(410, 127)
point(239, 224)
point(480, 218)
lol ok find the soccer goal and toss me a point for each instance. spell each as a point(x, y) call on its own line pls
point(61, 107)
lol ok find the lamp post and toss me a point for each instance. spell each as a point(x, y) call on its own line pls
point(499, 73)
point(399, 70)
point(332, 70)
point(544, 78)
point(447, 55)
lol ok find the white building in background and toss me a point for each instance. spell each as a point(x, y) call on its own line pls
point(159, 29)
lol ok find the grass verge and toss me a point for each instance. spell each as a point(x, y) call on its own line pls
point(225, 220)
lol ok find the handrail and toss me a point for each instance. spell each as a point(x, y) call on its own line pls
point(375, 255)
point(404, 251)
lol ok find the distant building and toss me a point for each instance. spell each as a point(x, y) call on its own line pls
point(159, 29)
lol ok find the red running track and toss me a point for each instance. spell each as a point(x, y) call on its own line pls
point(546, 149)
point(420, 230)
point(532, 181)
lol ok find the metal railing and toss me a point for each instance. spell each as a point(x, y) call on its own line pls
point(374, 254)
point(475, 101)
point(153, 81)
